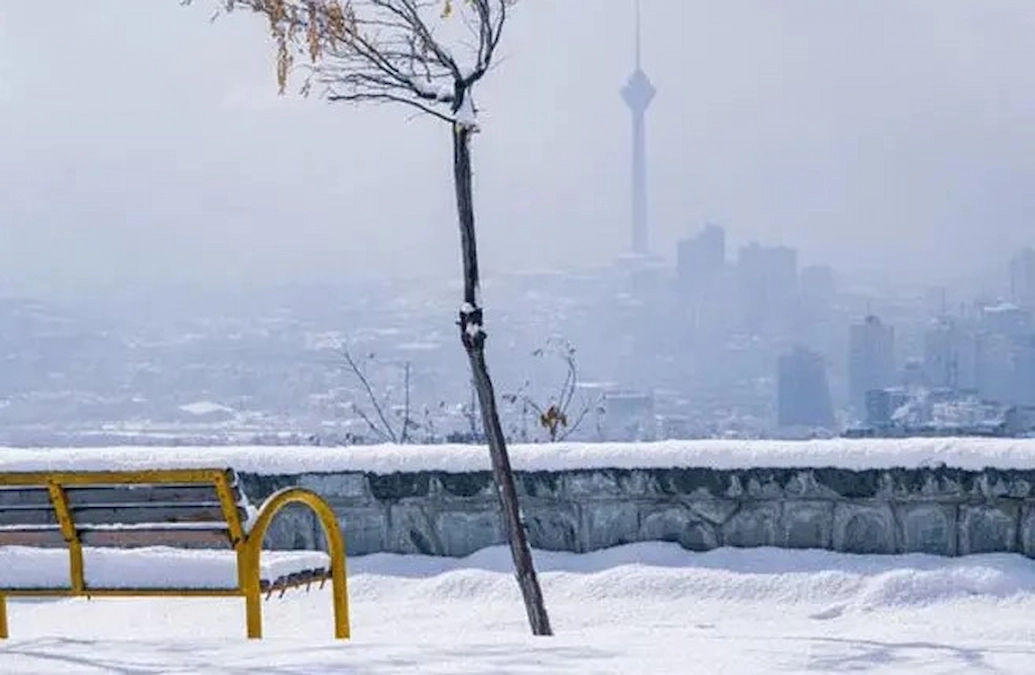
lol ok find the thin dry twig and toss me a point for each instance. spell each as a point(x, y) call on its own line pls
point(386, 431)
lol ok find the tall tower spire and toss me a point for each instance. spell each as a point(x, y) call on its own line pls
point(637, 34)
point(638, 92)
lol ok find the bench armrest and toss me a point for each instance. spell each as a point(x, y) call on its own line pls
point(250, 549)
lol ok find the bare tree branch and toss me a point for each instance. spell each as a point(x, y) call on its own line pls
point(385, 51)
point(378, 431)
point(555, 413)
point(389, 432)
point(389, 98)
point(574, 426)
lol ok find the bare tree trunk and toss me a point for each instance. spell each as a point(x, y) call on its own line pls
point(405, 433)
point(473, 337)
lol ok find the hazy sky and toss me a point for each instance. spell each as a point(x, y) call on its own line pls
point(141, 142)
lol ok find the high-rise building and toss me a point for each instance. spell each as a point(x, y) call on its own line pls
point(768, 281)
point(638, 93)
point(950, 355)
point(995, 366)
point(1006, 319)
point(1005, 360)
point(1024, 371)
point(700, 259)
point(803, 395)
point(871, 359)
point(1022, 278)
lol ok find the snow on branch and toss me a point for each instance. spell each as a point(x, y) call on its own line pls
point(426, 54)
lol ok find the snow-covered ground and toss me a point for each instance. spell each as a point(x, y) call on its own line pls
point(645, 608)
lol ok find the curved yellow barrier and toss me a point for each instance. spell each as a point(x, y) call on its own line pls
point(250, 550)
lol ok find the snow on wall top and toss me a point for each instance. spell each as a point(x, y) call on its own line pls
point(962, 453)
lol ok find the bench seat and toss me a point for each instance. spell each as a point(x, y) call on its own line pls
point(154, 567)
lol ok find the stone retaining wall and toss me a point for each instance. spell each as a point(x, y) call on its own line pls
point(934, 510)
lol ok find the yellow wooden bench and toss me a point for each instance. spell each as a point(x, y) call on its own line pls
point(138, 515)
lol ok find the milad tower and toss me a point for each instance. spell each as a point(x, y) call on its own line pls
point(638, 93)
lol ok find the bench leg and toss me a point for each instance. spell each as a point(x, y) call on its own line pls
point(3, 617)
point(253, 613)
point(340, 595)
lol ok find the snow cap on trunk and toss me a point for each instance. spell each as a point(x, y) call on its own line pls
point(466, 116)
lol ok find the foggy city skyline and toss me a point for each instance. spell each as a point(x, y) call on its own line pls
point(144, 145)
point(768, 223)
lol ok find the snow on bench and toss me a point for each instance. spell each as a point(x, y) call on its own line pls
point(152, 567)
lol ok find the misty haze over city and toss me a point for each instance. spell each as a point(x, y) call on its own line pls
point(837, 195)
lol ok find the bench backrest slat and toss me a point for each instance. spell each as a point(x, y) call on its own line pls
point(184, 538)
point(139, 513)
point(40, 538)
point(29, 496)
point(193, 537)
point(143, 494)
point(175, 508)
point(120, 515)
point(33, 515)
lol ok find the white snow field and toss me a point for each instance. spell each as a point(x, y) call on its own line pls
point(643, 608)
